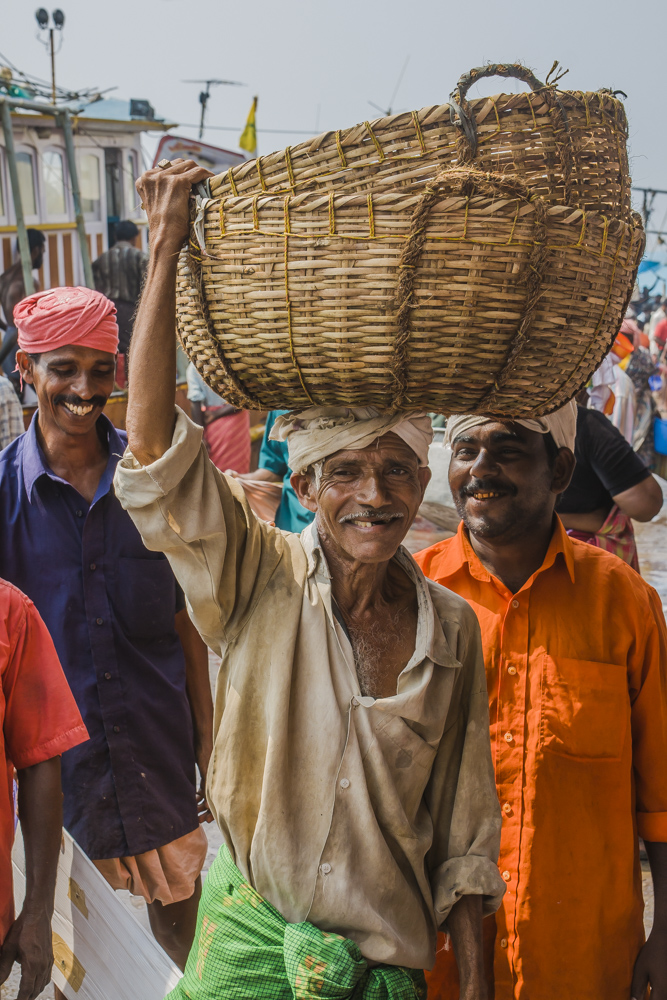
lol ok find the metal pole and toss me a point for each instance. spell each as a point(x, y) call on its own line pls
point(24, 245)
point(65, 123)
point(53, 68)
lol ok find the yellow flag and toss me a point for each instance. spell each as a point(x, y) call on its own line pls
point(248, 140)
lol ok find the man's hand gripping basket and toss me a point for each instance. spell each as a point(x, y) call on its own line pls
point(472, 257)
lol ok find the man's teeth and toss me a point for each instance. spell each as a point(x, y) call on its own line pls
point(371, 524)
point(486, 496)
point(80, 411)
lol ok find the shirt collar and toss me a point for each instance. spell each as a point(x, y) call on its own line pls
point(431, 639)
point(34, 463)
point(461, 552)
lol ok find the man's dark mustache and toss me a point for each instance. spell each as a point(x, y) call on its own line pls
point(371, 515)
point(487, 486)
point(77, 401)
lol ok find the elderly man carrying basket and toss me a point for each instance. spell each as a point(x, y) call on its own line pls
point(351, 773)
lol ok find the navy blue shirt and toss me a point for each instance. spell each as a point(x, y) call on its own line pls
point(109, 605)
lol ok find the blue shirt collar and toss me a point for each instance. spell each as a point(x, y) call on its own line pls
point(34, 463)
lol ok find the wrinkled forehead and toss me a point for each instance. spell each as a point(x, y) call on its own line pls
point(497, 432)
point(387, 448)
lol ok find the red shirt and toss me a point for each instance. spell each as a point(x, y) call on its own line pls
point(576, 667)
point(660, 333)
point(38, 715)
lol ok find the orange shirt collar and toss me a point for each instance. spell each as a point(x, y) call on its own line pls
point(461, 552)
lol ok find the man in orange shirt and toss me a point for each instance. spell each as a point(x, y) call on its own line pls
point(575, 650)
point(39, 720)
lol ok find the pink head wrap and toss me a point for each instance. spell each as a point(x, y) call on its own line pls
point(61, 316)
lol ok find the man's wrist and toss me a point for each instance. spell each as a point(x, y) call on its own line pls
point(34, 911)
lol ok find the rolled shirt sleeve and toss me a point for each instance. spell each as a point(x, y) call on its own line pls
point(464, 804)
point(221, 554)
point(41, 719)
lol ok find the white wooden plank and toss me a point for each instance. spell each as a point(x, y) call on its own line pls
point(102, 952)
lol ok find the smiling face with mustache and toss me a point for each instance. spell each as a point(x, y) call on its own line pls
point(505, 479)
point(72, 385)
point(365, 500)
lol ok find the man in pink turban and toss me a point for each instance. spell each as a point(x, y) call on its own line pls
point(136, 666)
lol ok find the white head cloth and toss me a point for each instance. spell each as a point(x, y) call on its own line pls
point(562, 425)
point(321, 431)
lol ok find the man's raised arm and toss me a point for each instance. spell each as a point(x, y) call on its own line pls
point(165, 195)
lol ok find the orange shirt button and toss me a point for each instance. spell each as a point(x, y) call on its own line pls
point(511, 670)
point(515, 604)
point(507, 876)
point(507, 808)
point(503, 942)
point(508, 737)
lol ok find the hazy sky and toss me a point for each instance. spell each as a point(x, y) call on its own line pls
point(316, 64)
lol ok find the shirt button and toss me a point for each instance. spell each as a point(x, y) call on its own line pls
point(503, 942)
point(507, 876)
point(515, 604)
point(325, 868)
point(79, 513)
point(99, 621)
point(508, 738)
point(93, 566)
point(344, 782)
point(507, 808)
point(107, 676)
point(116, 729)
point(511, 670)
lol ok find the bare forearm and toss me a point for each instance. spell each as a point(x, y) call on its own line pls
point(40, 813)
point(657, 856)
point(465, 927)
point(150, 406)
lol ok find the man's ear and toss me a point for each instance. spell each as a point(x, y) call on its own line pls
point(563, 470)
point(25, 363)
point(304, 487)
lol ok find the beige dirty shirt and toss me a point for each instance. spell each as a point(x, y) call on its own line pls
point(369, 818)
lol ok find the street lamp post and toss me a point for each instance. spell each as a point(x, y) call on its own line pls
point(42, 17)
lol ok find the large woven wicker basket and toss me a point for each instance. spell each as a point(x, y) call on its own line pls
point(479, 265)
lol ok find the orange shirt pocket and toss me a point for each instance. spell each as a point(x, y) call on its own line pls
point(585, 708)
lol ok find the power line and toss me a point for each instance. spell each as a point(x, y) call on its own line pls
point(239, 129)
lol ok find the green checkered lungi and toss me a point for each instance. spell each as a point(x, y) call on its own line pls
point(245, 950)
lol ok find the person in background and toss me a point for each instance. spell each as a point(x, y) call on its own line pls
point(575, 648)
point(11, 413)
point(658, 337)
point(136, 666)
point(610, 486)
point(226, 429)
point(273, 467)
point(119, 274)
point(12, 290)
point(39, 721)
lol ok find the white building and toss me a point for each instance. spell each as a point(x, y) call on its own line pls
point(108, 151)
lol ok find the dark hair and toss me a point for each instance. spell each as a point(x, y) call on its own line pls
point(36, 238)
point(125, 230)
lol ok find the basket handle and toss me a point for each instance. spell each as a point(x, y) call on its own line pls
point(460, 109)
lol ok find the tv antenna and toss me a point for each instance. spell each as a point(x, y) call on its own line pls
point(204, 96)
point(387, 111)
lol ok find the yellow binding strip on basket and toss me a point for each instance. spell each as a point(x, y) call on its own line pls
point(288, 304)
